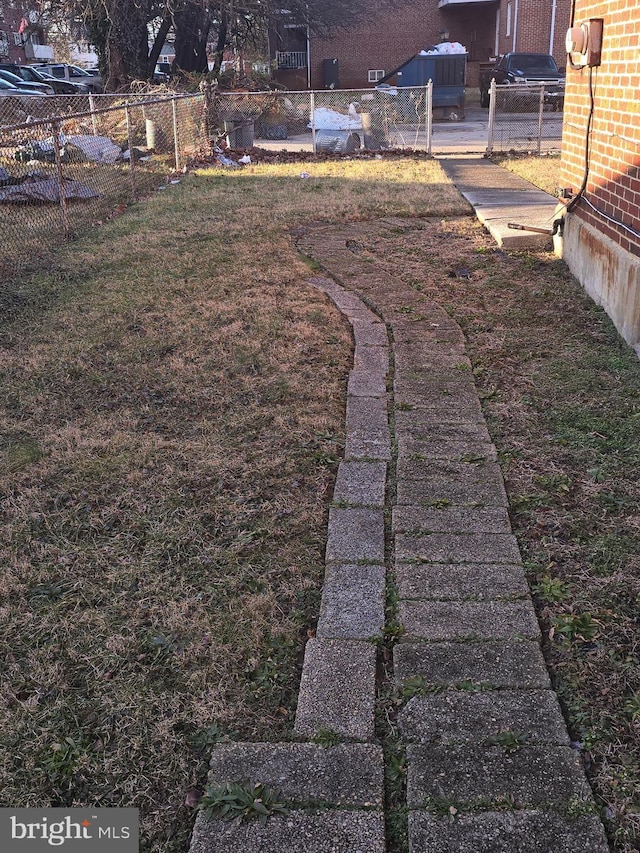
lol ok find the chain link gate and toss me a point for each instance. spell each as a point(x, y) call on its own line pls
point(525, 117)
point(339, 121)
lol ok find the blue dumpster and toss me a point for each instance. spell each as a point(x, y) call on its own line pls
point(448, 72)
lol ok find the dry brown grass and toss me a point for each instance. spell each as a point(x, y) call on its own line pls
point(542, 172)
point(171, 411)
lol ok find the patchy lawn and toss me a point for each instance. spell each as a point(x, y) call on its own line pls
point(171, 410)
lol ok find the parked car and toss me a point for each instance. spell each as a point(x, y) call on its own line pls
point(41, 88)
point(525, 68)
point(22, 98)
point(32, 75)
point(73, 74)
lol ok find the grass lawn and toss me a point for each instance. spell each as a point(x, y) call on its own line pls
point(172, 405)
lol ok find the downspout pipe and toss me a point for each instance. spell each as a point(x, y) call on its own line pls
point(552, 34)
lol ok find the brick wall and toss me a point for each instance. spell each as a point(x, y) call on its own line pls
point(534, 26)
point(391, 34)
point(614, 162)
point(383, 40)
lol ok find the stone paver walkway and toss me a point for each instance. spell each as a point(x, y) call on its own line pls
point(420, 509)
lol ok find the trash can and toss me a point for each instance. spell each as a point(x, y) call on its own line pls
point(239, 133)
point(337, 141)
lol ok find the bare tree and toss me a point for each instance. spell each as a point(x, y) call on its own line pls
point(129, 34)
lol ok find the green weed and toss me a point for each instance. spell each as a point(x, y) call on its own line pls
point(242, 801)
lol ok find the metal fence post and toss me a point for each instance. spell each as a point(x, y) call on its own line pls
point(64, 213)
point(429, 117)
point(92, 110)
point(540, 114)
point(312, 108)
point(492, 114)
point(176, 141)
point(132, 167)
point(205, 88)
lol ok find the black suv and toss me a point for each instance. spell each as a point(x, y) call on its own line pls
point(32, 75)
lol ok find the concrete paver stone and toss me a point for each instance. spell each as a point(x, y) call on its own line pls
point(459, 716)
point(371, 359)
point(363, 383)
point(494, 663)
point(355, 534)
point(367, 429)
point(337, 688)
point(333, 831)
point(457, 547)
point(439, 490)
point(450, 519)
point(522, 831)
point(463, 620)
point(544, 776)
point(352, 602)
point(361, 483)
point(461, 581)
point(439, 431)
point(348, 774)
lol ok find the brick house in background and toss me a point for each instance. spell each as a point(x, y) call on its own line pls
point(22, 38)
point(601, 241)
point(358, 56)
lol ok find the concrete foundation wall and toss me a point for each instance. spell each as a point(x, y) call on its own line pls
point(608, 273)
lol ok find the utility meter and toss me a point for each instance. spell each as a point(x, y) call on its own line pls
point(584, 43)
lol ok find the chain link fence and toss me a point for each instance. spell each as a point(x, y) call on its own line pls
point(70, 163)
point(337, 121)
point(526, 117)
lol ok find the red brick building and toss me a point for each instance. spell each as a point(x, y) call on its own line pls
point(601, 156)
point(357, 56)
point(22, 38)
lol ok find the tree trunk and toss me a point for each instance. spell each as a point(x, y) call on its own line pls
point(221, 43)
point(192, 30)
point(158, 44)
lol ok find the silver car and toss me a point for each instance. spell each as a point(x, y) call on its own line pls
point(74, 74)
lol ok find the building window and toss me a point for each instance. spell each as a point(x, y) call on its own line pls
point(375, 75)
point(4, 44)
point(507, 30)
point(17, 39)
